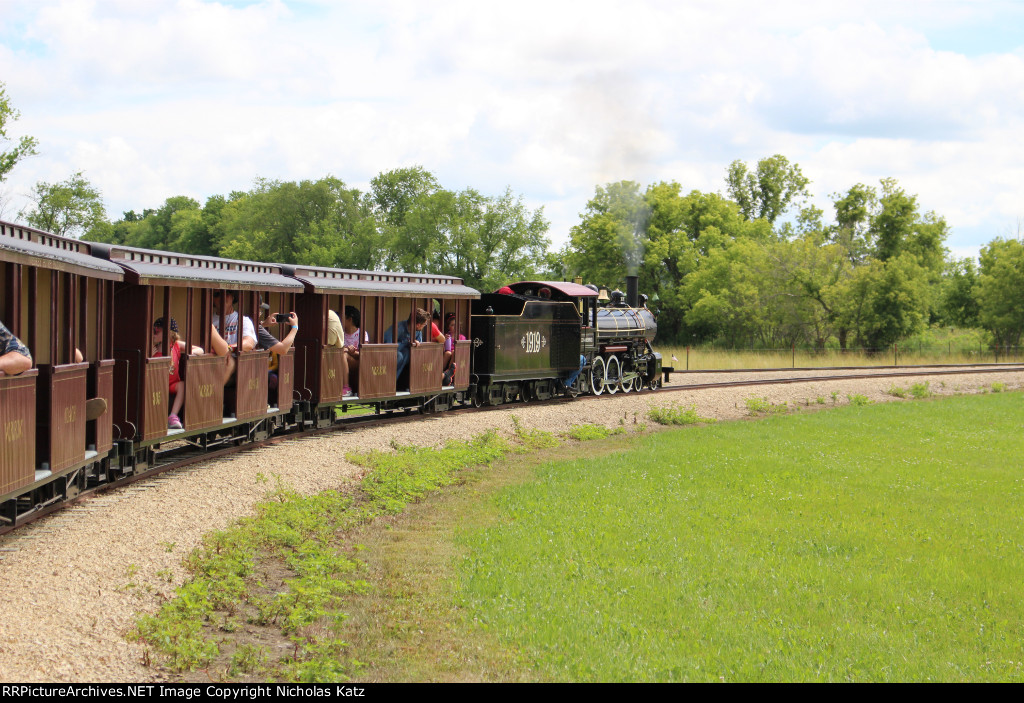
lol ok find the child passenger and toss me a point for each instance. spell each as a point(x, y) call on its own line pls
point(350, 348)
point(450, 367)
point(176, 389)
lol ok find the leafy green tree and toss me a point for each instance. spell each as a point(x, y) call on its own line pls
point(486, 241)
point(1000, 303)
point(288, 222)
point(768, 190)
point(68, 208)
point(893, 224)
point(725, 293)
point(610, 240)
point(898, 302)
point(394, 195)
point(852, 230)
point(959, 293)
point(20, 149)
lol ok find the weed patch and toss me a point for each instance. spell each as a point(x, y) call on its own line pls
point(921, 390)
point(858, 399)
point(297, 536)
point(584, 433)
point(531, 438)
point(762, 406)
point(678, 415)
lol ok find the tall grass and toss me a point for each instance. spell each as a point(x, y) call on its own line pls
point(706, 359)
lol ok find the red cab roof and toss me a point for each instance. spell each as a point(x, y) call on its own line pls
point(570, 290)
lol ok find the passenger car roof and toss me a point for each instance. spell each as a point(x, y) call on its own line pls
point(33, 247)
point(400, 285)
point(150, 267)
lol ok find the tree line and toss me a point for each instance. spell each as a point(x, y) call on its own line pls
point(753, 265)
point(733, 268)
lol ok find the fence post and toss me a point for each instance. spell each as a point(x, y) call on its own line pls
point(687, 358)
point(895, 354)
point(794, 355)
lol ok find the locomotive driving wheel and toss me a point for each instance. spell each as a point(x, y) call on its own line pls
point(627, 382)
point(612, 375)
point(598, 375)
point(655, 382)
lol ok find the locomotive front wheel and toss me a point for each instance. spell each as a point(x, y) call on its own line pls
point(598, 375)
point(655, 382)
point(612, 375)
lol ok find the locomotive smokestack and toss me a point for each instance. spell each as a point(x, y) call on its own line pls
point(633, 291)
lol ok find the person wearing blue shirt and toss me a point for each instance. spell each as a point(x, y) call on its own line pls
point(405, 340)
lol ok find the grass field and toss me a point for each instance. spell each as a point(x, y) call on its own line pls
point(872, 543)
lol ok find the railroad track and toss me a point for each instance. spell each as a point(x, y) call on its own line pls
point(179, 458)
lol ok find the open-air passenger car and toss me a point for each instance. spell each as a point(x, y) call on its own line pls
point(58, 300)
point(186, 288)
point(382, 299)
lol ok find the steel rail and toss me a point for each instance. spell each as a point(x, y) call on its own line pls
point(411, 415)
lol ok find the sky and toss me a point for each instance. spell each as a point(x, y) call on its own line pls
point(551, 99)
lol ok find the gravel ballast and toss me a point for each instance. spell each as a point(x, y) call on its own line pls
point(73, 582)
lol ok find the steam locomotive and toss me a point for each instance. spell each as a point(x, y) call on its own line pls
point(88, 313)
point(540, 334)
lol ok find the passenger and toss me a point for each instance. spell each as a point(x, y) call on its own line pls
point(544, 292)
point(504, 290)
point(176, 388)
point(568, 382)
point(15, 357)
point(248, 342)
point(335, 331)
point(405, 338)
point(350, 349)
point(450, 367)
point(267, 341)
point(436, 335)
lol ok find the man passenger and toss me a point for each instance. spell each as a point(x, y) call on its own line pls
point(267, 341)
point(230, 339)
point(15, 357)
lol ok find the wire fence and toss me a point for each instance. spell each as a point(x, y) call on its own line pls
point(684, 358)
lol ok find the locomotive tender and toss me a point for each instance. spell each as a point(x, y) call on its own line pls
point(68, 299)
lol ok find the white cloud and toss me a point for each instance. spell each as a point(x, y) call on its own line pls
point(188, 97)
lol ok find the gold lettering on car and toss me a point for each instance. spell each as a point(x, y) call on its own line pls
point(158, 397)
point(428, 367)
point(253, 384)
point(286, 377)
point(14, 430)
point(206, 390)
point(378, 370)
point(331, 373)
point(70, 413)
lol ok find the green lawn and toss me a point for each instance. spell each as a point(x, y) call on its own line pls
point(863, 543)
